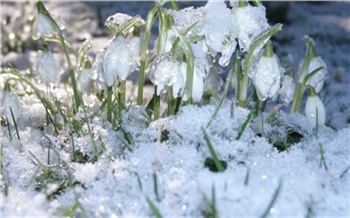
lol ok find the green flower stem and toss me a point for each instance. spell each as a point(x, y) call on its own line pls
point(256, 99)
point(121, 95)
point(156, 106)
point(109, 103)
point(227, 84)
point(171, 103)
point(77, 98)
point(190, 66)
point(263, 106)
point(58, 41)
point(151, 16)
point(299, 92)
point(258, 43)
point(94, 146)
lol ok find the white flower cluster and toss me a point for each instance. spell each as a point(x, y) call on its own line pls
point(216, 32)
point(121, 55)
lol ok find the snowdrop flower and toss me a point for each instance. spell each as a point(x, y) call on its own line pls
point(44, 26)
point(216, 25)
point(10, 101)
point(47, 67)
point(286, 93)
point(267, 75)
point(314, 109)
point(85, 82)
point(120, 59)
point(123, 24)
point(317, 80)
point(251, 21)
point(187, 17)
point(167, 73)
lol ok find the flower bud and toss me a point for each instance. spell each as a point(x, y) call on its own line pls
point(267, 76)
point(314, 109)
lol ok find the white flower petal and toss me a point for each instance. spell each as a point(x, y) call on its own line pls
point(315, 111)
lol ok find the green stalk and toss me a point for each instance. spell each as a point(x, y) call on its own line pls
point(171, 103)
point(156, 106)
point(77, 98)
point(151, 16)
point(94, 146)
point(227, 84)
point(190, 66)
point(121, 95)
point(109, 103)
point(300, 89)
point(258, 43)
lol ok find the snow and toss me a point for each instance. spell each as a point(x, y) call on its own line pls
point(313, 173)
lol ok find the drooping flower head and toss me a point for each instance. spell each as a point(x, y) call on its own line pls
point(167, 72)
point(43, 25)
point(315, 111)
point(267, 75)
point(47, 67)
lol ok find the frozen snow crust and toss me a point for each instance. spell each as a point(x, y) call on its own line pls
point(121, 180)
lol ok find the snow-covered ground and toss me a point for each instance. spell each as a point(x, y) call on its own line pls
point(166, 164)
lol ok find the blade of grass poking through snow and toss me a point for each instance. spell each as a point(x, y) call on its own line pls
point(246, 178)
point(322, 159)
point(273, 200)
point(227, 84)
point(151, 17)
point(77, 99)
point(246, 122)
point(155, 186)
point(94, 147)
point(253, 51)
point(153, 208)
point(212, 152)
point(344, 172)
point(48, 114)
point(14, 123)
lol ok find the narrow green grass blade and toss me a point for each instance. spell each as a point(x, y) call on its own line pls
point(246, 179)
point(246, 122)
point(14, 123)
point(322, 159)
point(273, 200)
point(154, 209)
point(212, 152)
point(344, 172)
